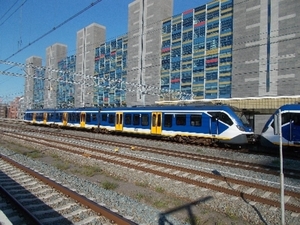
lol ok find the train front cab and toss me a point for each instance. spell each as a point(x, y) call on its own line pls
point(290, 125)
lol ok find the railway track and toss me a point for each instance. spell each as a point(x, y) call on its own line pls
point(261, 168)
point(250, 191)
point(250, 149)
point(46, 202)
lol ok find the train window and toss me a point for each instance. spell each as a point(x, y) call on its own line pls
point(39, 116)
point(180, 120)
point(296, 118)
point(145, 120)
point(104, 117)
point(65, 116)
point(222, 117)
point(196, 120)
point(127, 119)
point(94, 117)
point(153, 120)
point(286, 118)
point(77, 117)
point(119, 118)
point(159, 120)
point(168, 120)
point(71, 117)
point(50, 116)
point(225, 118)
point(136, 119)
point(85, 117)
point(111, 118)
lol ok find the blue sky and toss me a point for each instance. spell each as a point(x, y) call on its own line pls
point(24, 21)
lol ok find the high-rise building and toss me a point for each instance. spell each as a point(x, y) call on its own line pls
point(110, 73)
point(196, 53)
point(66, 82)
point(265, 48)
point(33, 62)
point(54, 54)
point(221, 49)
point(88, 39)
point(144, 46)
point(38, 88)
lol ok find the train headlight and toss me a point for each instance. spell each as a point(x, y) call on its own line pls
point(240, 128)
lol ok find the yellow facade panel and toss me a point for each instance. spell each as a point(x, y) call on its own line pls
point(212, 52)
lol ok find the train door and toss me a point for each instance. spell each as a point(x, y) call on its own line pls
point(65, 119)
point(156, 123)
point(45, 117)
point(214, 125)
point(119, 121)
point(295, 128)
point(82, 119)
point(34, 117)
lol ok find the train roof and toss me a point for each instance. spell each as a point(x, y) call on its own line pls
point(141, 108)
point(289, 107)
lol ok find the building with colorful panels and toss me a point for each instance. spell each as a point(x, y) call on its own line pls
point(196, 53)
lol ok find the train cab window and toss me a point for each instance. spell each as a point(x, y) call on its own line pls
point(136, 119)
point(180, 120)
point(196, 120)
point(225, 118)
point(296, 118)
point(111, 118)
point(127, 119)
point(168, 120)
point(221, 117)
point(286, 118)
point(104, 117)
point(145, 120)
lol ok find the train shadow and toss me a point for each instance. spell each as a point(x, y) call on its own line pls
point(163, 220)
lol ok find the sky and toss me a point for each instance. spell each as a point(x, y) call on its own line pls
point(28, 27)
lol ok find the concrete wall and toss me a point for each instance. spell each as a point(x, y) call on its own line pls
point(144, 47)
point(35, 61)
point(88, 39)
point(265, 48)
point(54, 54)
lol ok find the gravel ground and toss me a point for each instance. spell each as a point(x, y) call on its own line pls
point(143, 196)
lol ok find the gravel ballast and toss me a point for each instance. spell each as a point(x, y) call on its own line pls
point(238, 210)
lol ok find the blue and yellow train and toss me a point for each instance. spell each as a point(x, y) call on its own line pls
point(208, 124)
point(290, 127)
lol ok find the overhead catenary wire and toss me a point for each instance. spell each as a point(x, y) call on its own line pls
point(56, 27)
